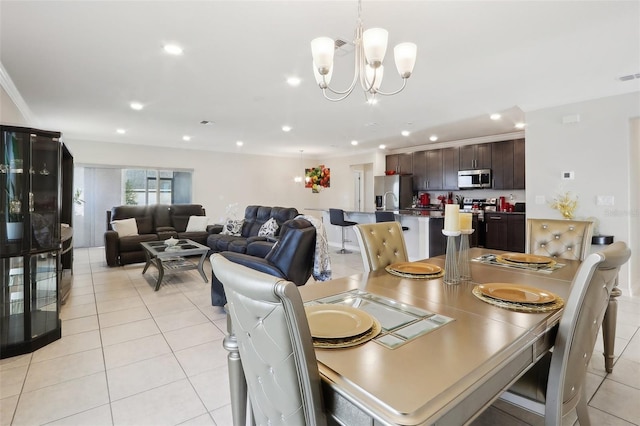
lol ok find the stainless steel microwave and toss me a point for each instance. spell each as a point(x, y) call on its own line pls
point(468, 179)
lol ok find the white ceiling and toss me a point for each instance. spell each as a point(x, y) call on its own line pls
point(78, 65)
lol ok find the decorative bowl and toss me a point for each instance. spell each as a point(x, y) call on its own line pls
point(171, 242)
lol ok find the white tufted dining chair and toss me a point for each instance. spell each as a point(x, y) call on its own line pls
point(555, 385)
point(559, 238)
point(271, 347)
point(381, 244)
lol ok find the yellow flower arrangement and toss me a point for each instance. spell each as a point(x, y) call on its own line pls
point(565, 204)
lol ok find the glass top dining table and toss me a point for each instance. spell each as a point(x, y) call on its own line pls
point(450, 374)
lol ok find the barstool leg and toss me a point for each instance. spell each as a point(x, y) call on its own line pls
point(343, 250)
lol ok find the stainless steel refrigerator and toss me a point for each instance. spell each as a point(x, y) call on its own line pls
point(393, 192)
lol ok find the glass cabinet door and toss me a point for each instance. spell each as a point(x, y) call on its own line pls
point(14, 182)
point(12, 319)
point(44, 293)
point(43, 199)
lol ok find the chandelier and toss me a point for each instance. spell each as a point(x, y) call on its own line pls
point(370, 48)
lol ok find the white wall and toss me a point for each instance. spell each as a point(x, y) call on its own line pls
point(9, 113)
point(598, 150)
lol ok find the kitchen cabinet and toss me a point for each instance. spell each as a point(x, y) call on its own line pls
point(400, 163)
point(427, 170)
point(476, 156)
point(518, 164)
point(505, 231)
point(450, 167)
point(30, 239)
point(508, 164)
point(420, 170)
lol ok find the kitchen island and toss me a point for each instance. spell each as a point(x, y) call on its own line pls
point(423, 238)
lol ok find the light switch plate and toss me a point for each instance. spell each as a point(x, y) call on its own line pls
point(605, 200)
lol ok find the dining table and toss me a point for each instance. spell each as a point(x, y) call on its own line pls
point(450, 363)
point(452, 373)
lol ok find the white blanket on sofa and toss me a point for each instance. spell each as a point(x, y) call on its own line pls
point(321, 261)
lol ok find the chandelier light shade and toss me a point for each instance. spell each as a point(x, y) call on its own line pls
point(370, 50)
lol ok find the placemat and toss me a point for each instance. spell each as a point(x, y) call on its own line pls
point(492, 259)
point(520, 307)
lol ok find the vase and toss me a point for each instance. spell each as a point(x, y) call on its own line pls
point(14, 230)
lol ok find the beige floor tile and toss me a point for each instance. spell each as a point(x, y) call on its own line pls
point(7, 408)
point(222, 416)
point(129, 331)
point(169, 305)
point(79, 325)
point(119, 304)
point(192, 336)
point(62, 400)
point(600, 418)
point(619, 400)
point(180, 319)
point(170, 404)
point(68, 345)
point(126, 353)
point(203, 420)
point(110, 319)
point(201, 358)
point(212, 387)
point(632, 351)
point(15, 361)
point(78, 311)
point(12, 381)
point(626, 372)
point(144, 375)
point(120, 293)
point(100, 416)
point(75, 299)
point(64, 368)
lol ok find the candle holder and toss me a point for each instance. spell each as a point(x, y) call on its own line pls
point(463, 256)
point(451, 272)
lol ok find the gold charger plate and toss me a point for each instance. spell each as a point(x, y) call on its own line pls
point(415, 268)
point(337, 321)
point(348, 342)
point(520, 307)
point(516, 293)
point(530, 259)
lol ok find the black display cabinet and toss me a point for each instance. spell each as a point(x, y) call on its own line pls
point(30, 266)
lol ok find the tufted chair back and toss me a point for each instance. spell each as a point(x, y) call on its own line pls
point(555, 385)
point(559, 238)
point(275, 345)
point(381, 244)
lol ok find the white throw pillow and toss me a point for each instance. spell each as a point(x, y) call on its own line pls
point(269, 228)
point(233, 227)
point(197, 223)
point(125, 227)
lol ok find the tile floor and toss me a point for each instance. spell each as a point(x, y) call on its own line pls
point(132, 356)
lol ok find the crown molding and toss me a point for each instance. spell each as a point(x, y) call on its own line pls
point(16, 97)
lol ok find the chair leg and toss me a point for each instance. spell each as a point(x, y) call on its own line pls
point(343, 250)
point(582, 410)
point(609, 328)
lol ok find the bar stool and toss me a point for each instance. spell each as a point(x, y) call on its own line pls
point(388, 217)
point(336, 217)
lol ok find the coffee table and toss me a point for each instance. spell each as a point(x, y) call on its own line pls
point(172, 259)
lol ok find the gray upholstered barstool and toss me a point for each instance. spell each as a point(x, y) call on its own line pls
point(336, 217)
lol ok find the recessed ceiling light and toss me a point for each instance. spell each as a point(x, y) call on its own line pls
point(354, 143)
point(239, 143)
point(372, 101)
point(186, 138)
point(286, 128)
point(173, 49)
point(121, 131)
point(433, 138)
point(520, 125)
point(495, 116)
point(405, 133)
point(382, 146)
point(293, 81)
point(136, 105)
